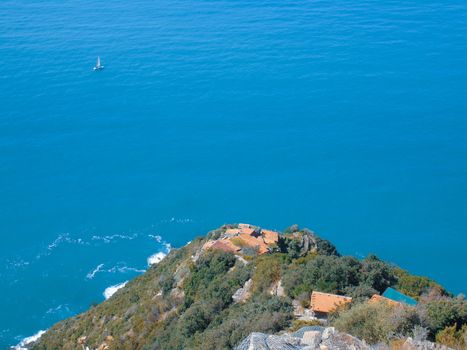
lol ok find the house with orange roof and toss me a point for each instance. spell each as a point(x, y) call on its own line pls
point(225, 245)
point(249, 229)
point(324, 303)
point(245, 235)
point(269, 236)
point(254, 242)
point(376, 298)
point(231, 232)
point(244, 226)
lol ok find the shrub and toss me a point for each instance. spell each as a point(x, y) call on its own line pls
point(377, 274)
point(325, 247)
point(374, 323)
point(238, 242)
point(330, 274)
point(443, 312)
point(268, 271)
point(297, 324)
point(361, 292)
point(415, 286)
point(263, 313)
point(452, 337)
point(209, 267)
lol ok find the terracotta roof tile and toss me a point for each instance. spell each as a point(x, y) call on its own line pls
point(208, 244)
point(247, 230)
point(244, 225)
point(225, 245)
point(379, 298)
point(254, 242)
point(325, 302)
point(232, 231)
point(270, 236)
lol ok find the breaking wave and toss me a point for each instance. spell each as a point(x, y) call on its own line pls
point(109, 291)
point(28, 340)
point(156, 258)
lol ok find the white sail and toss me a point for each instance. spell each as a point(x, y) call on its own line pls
point(98, 64)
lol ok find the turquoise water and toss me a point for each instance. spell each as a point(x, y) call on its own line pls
point(348, 117)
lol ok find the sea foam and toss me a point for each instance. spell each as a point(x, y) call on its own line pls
point(156, 258)
point(91, 274)
point(120, 268)
point(28, 340)
point(109, 291)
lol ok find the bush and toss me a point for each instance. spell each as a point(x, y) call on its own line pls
point(368, 321)
point(443, 312)
point(330, 274)
point(377, 274)
point(268, 271)
point(415, 286)
point(361, 292)
point(297, 324)
point(325, 247)
point(261, 314)
point(452, 337)
point(210, 267)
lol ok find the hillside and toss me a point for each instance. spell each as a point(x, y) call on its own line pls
point(216, 290)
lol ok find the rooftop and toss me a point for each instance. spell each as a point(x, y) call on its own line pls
point(376, 298)
point(325, 302)
point(245, 235)
point(395, 295)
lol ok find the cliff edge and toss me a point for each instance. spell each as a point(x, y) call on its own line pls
point(245, 287)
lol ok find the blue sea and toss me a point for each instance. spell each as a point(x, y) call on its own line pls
point(347, 117)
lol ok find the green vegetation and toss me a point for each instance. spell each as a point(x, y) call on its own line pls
point(185, 302)
point(371, 322)
point(439, 312)
point(442, 318)
point(268, 271)
point(415, 286)
point(452, 337)
point(338, 275)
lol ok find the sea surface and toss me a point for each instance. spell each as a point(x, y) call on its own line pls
point(347, 117)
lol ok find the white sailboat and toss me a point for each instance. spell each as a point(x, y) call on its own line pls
point(98, 64)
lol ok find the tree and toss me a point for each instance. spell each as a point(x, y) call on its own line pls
point(377, 274)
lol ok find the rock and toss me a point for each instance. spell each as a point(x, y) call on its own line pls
point(243, 293)
point(411, 344)
point(312, 339)
point(328, 332)
point(82, 340)
point(177, 294)
point(182, 271)
point(320, 338)
point(334, 340)
point(131, 311)
point(277, 289)
point(303, 314)
point(241, 259)
point(307, 338)
point(261, 341)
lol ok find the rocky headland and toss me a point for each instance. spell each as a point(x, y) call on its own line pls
point(244, 287)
